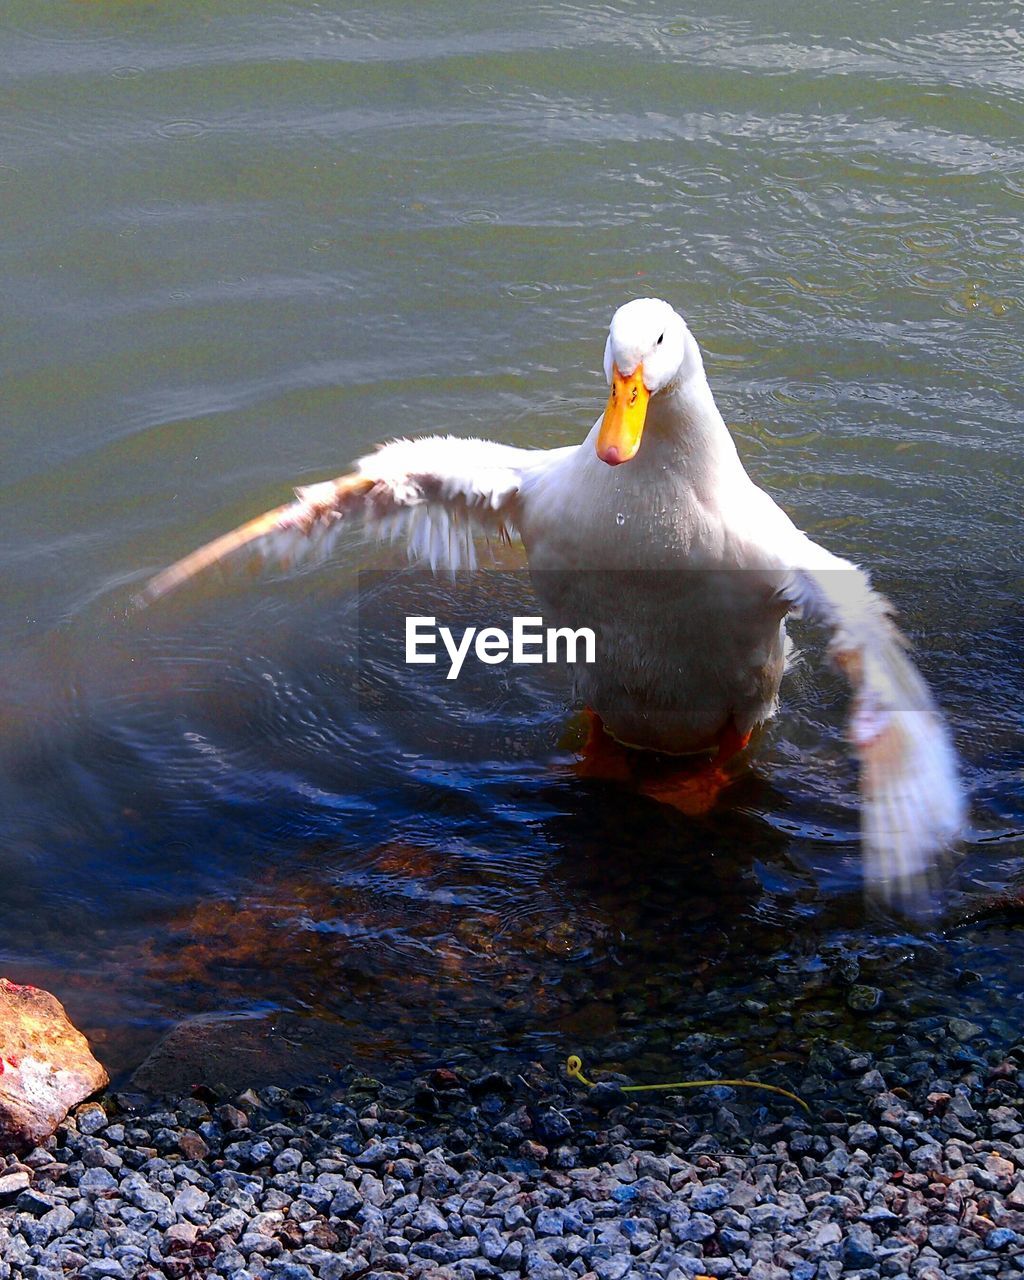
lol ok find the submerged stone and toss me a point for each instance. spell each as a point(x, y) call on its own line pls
point(864, 999)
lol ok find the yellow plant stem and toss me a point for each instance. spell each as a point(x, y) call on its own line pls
point(574, 1070)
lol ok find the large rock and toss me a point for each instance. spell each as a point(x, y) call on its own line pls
point(46, 1066)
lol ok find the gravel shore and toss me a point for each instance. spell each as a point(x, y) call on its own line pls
point(475, 1172)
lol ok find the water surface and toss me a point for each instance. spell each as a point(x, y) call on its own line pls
point(242, 242)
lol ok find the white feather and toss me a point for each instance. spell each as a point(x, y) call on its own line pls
point(913, 809)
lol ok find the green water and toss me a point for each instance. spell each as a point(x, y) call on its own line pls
point(242, 242)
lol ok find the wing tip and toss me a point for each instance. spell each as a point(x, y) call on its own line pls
point(212, 553)
point(161, 584)
point(912, 841)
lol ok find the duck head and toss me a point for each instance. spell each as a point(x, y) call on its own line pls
point(649, 350)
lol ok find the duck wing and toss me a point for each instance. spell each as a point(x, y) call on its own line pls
point(913, 807)
point(438, 494)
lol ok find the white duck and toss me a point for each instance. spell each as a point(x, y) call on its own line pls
point(652, 532)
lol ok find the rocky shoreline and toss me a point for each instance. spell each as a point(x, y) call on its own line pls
point(475, 1170)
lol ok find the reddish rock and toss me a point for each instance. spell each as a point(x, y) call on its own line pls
point(232, 1117)
point(46, 1066)
point(323, 1235)
point(192, 1146)
point(443, 1078)
point(936, 1103)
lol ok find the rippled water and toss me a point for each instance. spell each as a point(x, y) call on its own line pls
point(243, 241)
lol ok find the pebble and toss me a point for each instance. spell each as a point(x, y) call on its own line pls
point(962, 1029)
point(710, 1197)
point(96, 1180)
point(943, 1237)
point(90, 1118)
point(863, 1135)
point(12, 1183)
point(863, 999)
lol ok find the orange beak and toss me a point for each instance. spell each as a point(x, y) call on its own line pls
point(624, 416)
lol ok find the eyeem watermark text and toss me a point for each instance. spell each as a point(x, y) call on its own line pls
point(529, 642)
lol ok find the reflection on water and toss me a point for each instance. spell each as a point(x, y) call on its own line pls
point(243, 242)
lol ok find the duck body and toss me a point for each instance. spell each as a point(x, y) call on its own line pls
point(691, 636)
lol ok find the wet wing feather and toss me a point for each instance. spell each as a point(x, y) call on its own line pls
point(913, 808)
point(436, 494)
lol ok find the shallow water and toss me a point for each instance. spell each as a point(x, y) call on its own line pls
point(244, 241)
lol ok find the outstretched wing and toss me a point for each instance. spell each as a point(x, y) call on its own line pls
point(438, 494)
point(913, 808)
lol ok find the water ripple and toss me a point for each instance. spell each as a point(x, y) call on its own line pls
point(183, 129)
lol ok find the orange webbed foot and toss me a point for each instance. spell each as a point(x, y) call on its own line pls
point(688, 784)
point(695, 791)
point(601, 756)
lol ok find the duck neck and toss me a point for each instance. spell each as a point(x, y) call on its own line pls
point(686, 434)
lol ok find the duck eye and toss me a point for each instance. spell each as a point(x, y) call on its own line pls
point(660, 341)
